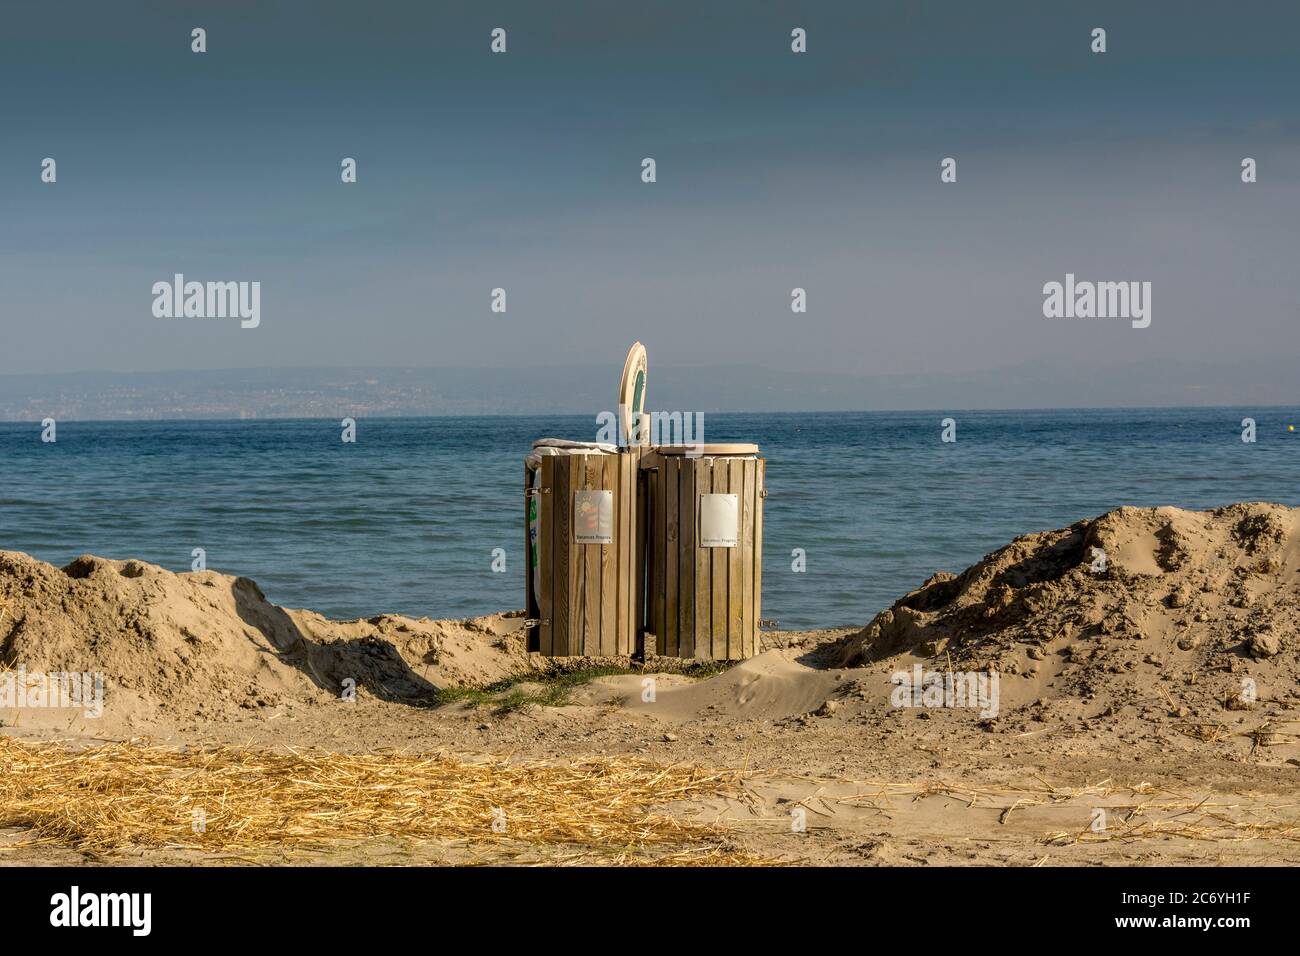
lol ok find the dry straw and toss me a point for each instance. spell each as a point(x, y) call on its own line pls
point(124, 796)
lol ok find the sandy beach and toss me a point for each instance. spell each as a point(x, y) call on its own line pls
point(1122, 692)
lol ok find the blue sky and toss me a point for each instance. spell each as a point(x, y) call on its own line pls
point(775, 170)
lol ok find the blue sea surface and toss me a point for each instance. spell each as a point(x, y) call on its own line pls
point(406, 519)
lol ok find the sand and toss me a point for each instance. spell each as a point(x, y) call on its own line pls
point(1191, 611)
point(209, 645)
point(1161, 689)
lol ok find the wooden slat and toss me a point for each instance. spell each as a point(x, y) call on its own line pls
point(542, 597)
point(760, 469)
point(580, 589)
point(735, 555)
point(654, 578)
point(624, 535)
point(748, 625)
point(646, 545)
point(632, 554)
point(718, 571)
point(584, 580)
point(640, 555)
point(636, 553)
point(606, 475)
point(577, 562)
point(667, 516)
point(685, 557)
point(703, 640)
point(561, 553)
point(577, 566)
point(654, 552)
point(591, 480)
point(663, 586)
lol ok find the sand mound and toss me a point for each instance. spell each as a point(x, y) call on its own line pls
point(205, 644)
point(1138, 603)
point(770, 686)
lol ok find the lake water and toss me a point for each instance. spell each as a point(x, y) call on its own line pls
point(405, 520)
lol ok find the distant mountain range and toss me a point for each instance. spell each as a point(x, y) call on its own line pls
point(362, 392)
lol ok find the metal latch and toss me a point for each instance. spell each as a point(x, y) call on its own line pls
point(767, 622)
point(528, 492)
point(531, 622)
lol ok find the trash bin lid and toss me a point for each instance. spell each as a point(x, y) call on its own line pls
point(735, 448)
point(631, 390)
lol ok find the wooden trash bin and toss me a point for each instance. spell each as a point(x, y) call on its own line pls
point(704, 562)
point(585, 566)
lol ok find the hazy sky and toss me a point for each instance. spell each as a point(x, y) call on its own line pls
point(522, 170)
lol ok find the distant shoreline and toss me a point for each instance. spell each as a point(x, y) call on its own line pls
point(727, 413)
point(372, 392)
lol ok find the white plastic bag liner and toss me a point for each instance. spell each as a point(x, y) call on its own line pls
point(535, 525)
point(562, 446)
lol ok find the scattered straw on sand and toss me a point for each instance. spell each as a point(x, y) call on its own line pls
point(122, 796)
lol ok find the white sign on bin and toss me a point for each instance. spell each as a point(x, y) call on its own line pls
point(593, 517)
point(719, 520)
